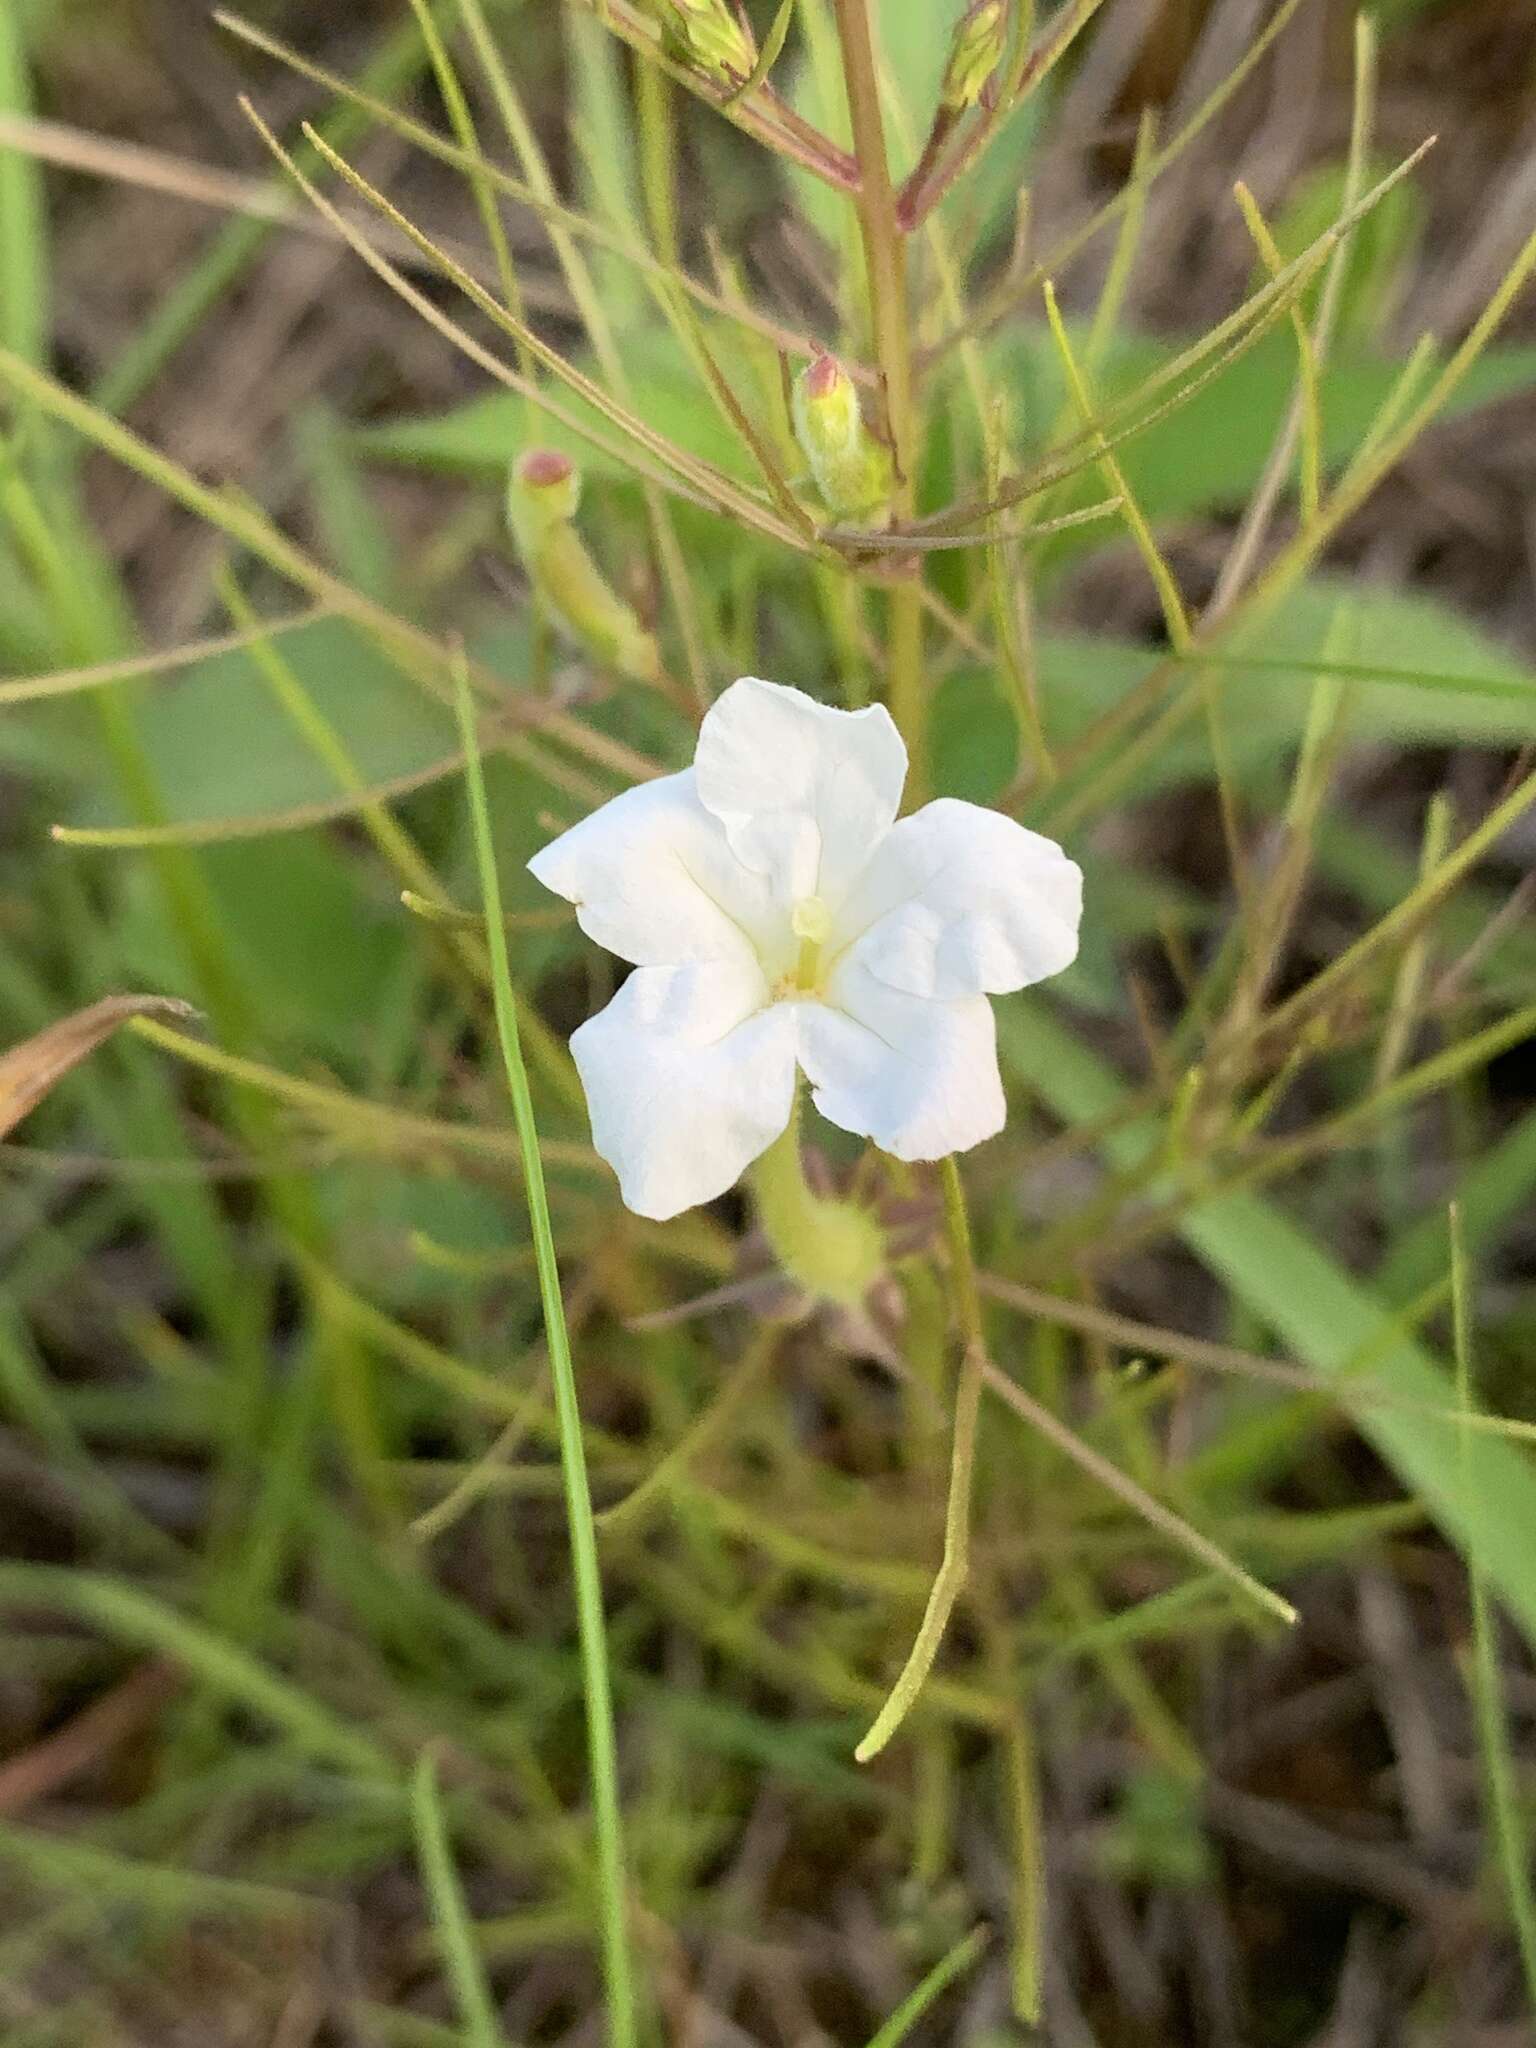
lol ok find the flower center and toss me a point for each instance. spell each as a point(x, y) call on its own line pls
point(811, 922)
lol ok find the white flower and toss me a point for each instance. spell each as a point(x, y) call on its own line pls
point(778, 916)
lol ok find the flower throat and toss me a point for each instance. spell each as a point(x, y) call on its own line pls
point(811, 923)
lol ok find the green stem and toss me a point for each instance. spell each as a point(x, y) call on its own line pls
point(885, 254)
point(908, 702)
point(658, 159)
point(955, 1565)
point(601, 1746)
point(885, 262)
point(962, 1257)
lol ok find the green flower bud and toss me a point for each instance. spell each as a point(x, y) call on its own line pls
point(852, 467)
point(974, 54)
point(706, 36)
point(542, 496)
point(545, 488)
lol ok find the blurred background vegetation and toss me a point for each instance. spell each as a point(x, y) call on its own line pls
point(281, 1506)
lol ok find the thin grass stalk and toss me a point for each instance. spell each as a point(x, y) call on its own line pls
point(593, 307)
point(1305, 421)
point(455, 1932)
point(417, 653)
point(601, 1743)
point(486, 204)
point(473, 164)
point(1302, 421)
point(952, 1965)
point(235, 247)
point(1011, 289)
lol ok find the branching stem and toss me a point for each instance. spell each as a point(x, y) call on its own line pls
point(885, 261)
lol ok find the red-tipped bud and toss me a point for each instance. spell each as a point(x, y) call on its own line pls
point(541, 467)
point(823, 377)
point(853, 469)
point(545, 486)
point(542, 495)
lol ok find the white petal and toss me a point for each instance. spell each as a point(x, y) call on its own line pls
point(919, 1077)
point(958, 900)
point(654, 879)
point(688, 1078)
point(803, 791)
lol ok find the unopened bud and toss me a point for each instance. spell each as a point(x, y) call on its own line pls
point(545, 486)
point(852, 467)
point(974, 54)
point(707, 36)
point(542, 496)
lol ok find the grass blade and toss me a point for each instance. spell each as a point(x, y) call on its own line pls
point(132, 1617)
point(1511, 1836)
point(481, 2028)
point(934, 1985)
point(602, 1749)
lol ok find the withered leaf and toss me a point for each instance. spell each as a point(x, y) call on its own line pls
point(29, 1070)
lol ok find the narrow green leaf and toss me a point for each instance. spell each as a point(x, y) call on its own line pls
point(1510, 1831)
point(601, 1745)
point(938, 1980)
point(134, 1617)
point(481, 2027)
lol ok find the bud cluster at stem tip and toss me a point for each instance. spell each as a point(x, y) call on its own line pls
point(542, 495)
point(707, 36)
point(974, 54)
point(851, 466)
